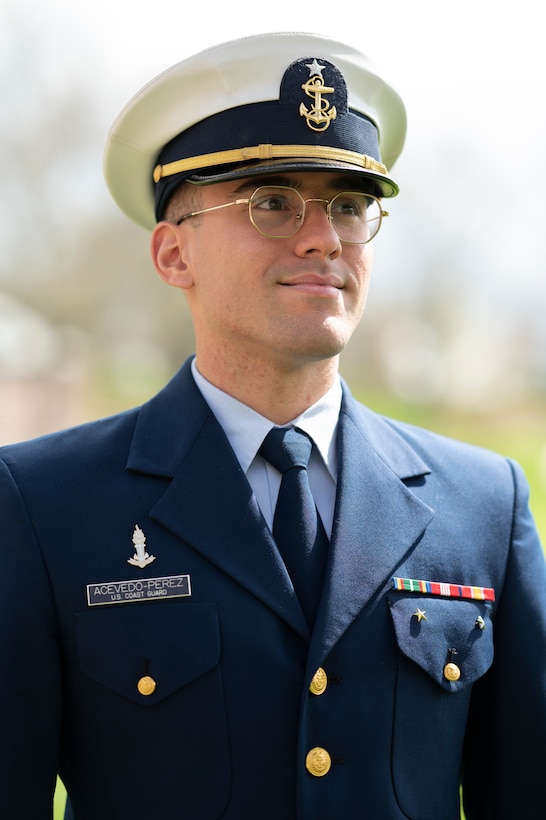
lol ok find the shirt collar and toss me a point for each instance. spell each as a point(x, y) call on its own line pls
point(246, 429)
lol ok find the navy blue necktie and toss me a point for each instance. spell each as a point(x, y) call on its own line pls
point(297, 528)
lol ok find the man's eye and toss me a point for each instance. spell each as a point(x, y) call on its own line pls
point(349, 207)
point(272, 203)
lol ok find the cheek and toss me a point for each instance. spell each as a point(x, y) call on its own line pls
point(361, 265)
point(366, 259)
point(220, 287)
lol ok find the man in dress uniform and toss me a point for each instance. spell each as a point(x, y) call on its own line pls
point(252, 598)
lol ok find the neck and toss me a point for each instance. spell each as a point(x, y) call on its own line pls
point(280, 393)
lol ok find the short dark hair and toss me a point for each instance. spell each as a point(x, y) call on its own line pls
point(183, 200)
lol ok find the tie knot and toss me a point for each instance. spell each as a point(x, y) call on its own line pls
point(286, 447)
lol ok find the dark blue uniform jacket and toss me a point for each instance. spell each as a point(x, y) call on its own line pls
point(180, 689)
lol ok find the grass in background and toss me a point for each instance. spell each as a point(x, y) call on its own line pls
point(59, 802)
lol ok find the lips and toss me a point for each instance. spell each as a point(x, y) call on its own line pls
point(314, 280)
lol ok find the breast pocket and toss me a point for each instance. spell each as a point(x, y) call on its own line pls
point(147, 652)
point(445, 646)
point(449, 638)
point(151, 696)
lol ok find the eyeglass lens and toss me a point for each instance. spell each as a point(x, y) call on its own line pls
point(278, 211)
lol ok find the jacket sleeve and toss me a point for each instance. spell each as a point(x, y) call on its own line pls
point(503, 775)
point(30, 683)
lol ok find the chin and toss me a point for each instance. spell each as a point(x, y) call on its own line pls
point(323, 348)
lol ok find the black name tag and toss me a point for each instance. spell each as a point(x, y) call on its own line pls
point(145, 589)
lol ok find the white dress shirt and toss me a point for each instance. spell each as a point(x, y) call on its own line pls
point(247, 429)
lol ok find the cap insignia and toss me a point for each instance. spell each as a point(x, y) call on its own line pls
point(320, 115)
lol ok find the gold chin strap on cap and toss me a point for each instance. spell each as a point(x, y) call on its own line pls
point(266, 152)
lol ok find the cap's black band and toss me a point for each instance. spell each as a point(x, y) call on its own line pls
point(269, 123)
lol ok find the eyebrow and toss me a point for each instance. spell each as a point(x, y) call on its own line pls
point(251, 183)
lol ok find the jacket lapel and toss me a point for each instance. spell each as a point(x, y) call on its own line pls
point(209, 503)
point(377, 520)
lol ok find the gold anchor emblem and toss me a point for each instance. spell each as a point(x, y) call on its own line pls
point(320, 115)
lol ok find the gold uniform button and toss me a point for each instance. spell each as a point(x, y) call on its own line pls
point(318, 762)
point(319, 683)
point(146, 685)
point(452, 672)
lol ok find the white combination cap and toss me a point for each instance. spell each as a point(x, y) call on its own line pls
point(254, 106)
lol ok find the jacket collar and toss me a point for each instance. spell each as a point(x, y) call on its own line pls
point(377, 519)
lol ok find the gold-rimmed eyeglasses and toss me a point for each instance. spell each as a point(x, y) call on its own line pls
point(278, 212)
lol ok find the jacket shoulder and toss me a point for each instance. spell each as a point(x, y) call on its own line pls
point(83, 442)
point(444, 456)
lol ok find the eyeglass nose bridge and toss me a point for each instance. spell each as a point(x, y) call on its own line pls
point(300, 218)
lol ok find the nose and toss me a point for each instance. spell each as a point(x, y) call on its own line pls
point(316, 235)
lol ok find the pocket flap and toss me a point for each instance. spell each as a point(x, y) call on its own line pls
point(169, 643)
point(451, 639)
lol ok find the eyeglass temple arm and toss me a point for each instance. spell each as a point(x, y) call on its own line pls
point(214, 208)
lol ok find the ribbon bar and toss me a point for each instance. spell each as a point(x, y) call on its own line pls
point(447, 590)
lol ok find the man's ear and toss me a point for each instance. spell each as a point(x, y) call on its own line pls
point(168, 252)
